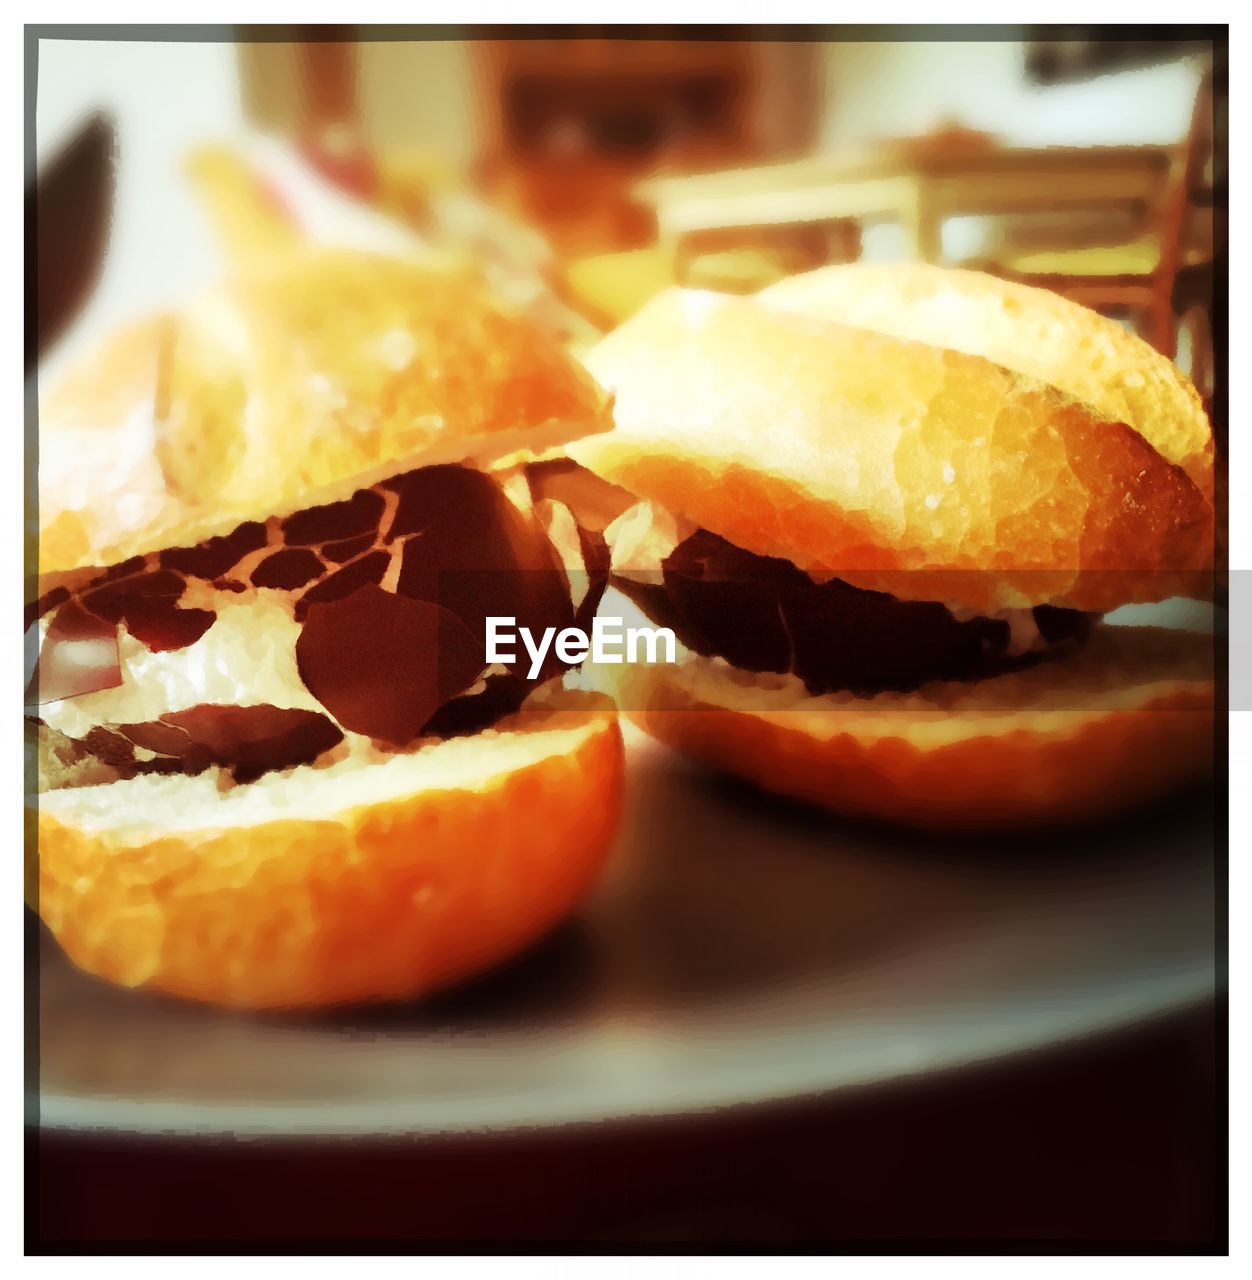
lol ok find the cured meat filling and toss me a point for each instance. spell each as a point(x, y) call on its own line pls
point(264, 648)
point(762, 613)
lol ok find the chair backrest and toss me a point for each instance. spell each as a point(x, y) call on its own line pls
point(1188, 183)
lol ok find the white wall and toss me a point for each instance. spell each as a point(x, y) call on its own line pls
point(163, 98)
point(890, 89)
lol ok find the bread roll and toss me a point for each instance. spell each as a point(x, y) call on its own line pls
point(363, 880)
point(285, 389)
point(896, 465)
point(1032, 331)
point(1122, 720)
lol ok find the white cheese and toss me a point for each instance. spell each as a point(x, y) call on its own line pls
point(642, 537)
point(247, 657)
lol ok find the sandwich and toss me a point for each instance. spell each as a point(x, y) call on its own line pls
point(273, 766)
point(885, 510)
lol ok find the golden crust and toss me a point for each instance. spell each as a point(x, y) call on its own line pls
point(1116, 724)
point(1031, 331)
point(388, 898)
point(286, 388)
point(897, 466)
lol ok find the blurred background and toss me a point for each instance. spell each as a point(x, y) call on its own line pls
point(584, 173)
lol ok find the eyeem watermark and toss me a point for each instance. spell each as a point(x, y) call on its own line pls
point(610, 641)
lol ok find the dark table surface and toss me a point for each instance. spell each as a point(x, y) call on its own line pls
point(1112, 1143)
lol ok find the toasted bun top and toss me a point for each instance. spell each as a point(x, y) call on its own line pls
point(285, 388)
point(896, 465)
point(1032, 331)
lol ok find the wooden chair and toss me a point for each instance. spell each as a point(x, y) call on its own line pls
point(1141, 276)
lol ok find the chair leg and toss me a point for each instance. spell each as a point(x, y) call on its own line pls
point(1161, 328)
point(1200, 341)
